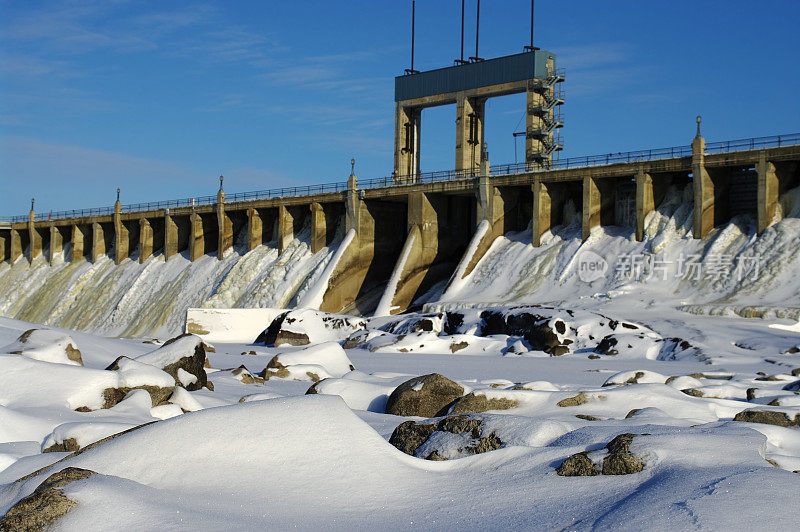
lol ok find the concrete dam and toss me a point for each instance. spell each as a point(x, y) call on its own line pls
point(390, 244)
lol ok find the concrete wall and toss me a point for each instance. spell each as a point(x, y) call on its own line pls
point(434, 221)
point(439, 228)
point(380, 228)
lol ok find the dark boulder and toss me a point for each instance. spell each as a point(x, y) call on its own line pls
point(410, 436)
point(423, 396)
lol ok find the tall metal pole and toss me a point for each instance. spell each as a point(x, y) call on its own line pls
point(413, 18)
point(532, 24)
point(462, 31)
point(531, 47)
point(477, 27)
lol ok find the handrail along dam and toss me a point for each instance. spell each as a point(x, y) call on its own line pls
point(412, 230)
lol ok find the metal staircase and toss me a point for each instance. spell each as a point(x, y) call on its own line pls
point(547, 109)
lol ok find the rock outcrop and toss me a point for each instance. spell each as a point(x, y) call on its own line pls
point(424, 396)
point(45, 505)
point(540, 332)
point(768, 417)
point(136, 375)
point(183, 357)
point(47, 346)
point(472, 403)
point(618, 460)
point(307, 326)
point(450, 437)
point(314, 363)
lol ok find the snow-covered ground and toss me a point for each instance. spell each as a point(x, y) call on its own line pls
point(477, 412)
point(257, 453)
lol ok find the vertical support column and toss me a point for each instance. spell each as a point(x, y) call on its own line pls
point(224, 226)
point(534, 148)
point(489, 204)
point(34, 238)
point(98, 242)
point(591, 206)
point(645, 200)
point(285, 228)
point(15, 246)
point(352, 205)
point(318, 227)
point(145, 240)
point(56, 243)
point(768, 190)
point(170, 236)
point(121, 236)
point(255, 229)
point(542, 206)
point(407, 126)
point(703, 188)
point(77, 243)
point(422, 214)
point(197, 242)
point(3, 244)
point(470, 114)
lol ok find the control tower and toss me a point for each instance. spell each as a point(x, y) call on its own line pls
point(468, 86)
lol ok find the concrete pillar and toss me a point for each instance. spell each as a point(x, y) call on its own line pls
point(318, 227)
point(170, 236)
point(3, 244)
point(703, 190)
point(352, 205)
point(490, 204)
point(197, 244)
point(255, 229)
point(225, 227)
point(34, 238)
point(56, 243)
point(351, 271)
point(77, 243)
point(645, 200)
point(407, 127)
point(592, 207)
point(533, 122)
point(470, 114)
point(98, 242)
point(542, 205)
point(15, 246)
point(768, 190)
point(145, 240)
point(285, 228)
point(121, 236)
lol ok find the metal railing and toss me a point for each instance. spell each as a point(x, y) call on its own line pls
point(429, 177)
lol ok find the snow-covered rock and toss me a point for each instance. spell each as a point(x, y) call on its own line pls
point(315, 363)
point(308, 326)
point(46, 345)
point(183, 358)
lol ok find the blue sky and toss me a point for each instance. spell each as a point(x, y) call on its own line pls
point(159, 98)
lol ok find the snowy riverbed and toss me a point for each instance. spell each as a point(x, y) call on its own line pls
point(258, 453)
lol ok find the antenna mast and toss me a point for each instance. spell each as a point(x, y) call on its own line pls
point(531, 48)
point(413, 18)
point(477, 30)
point(461, 61)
